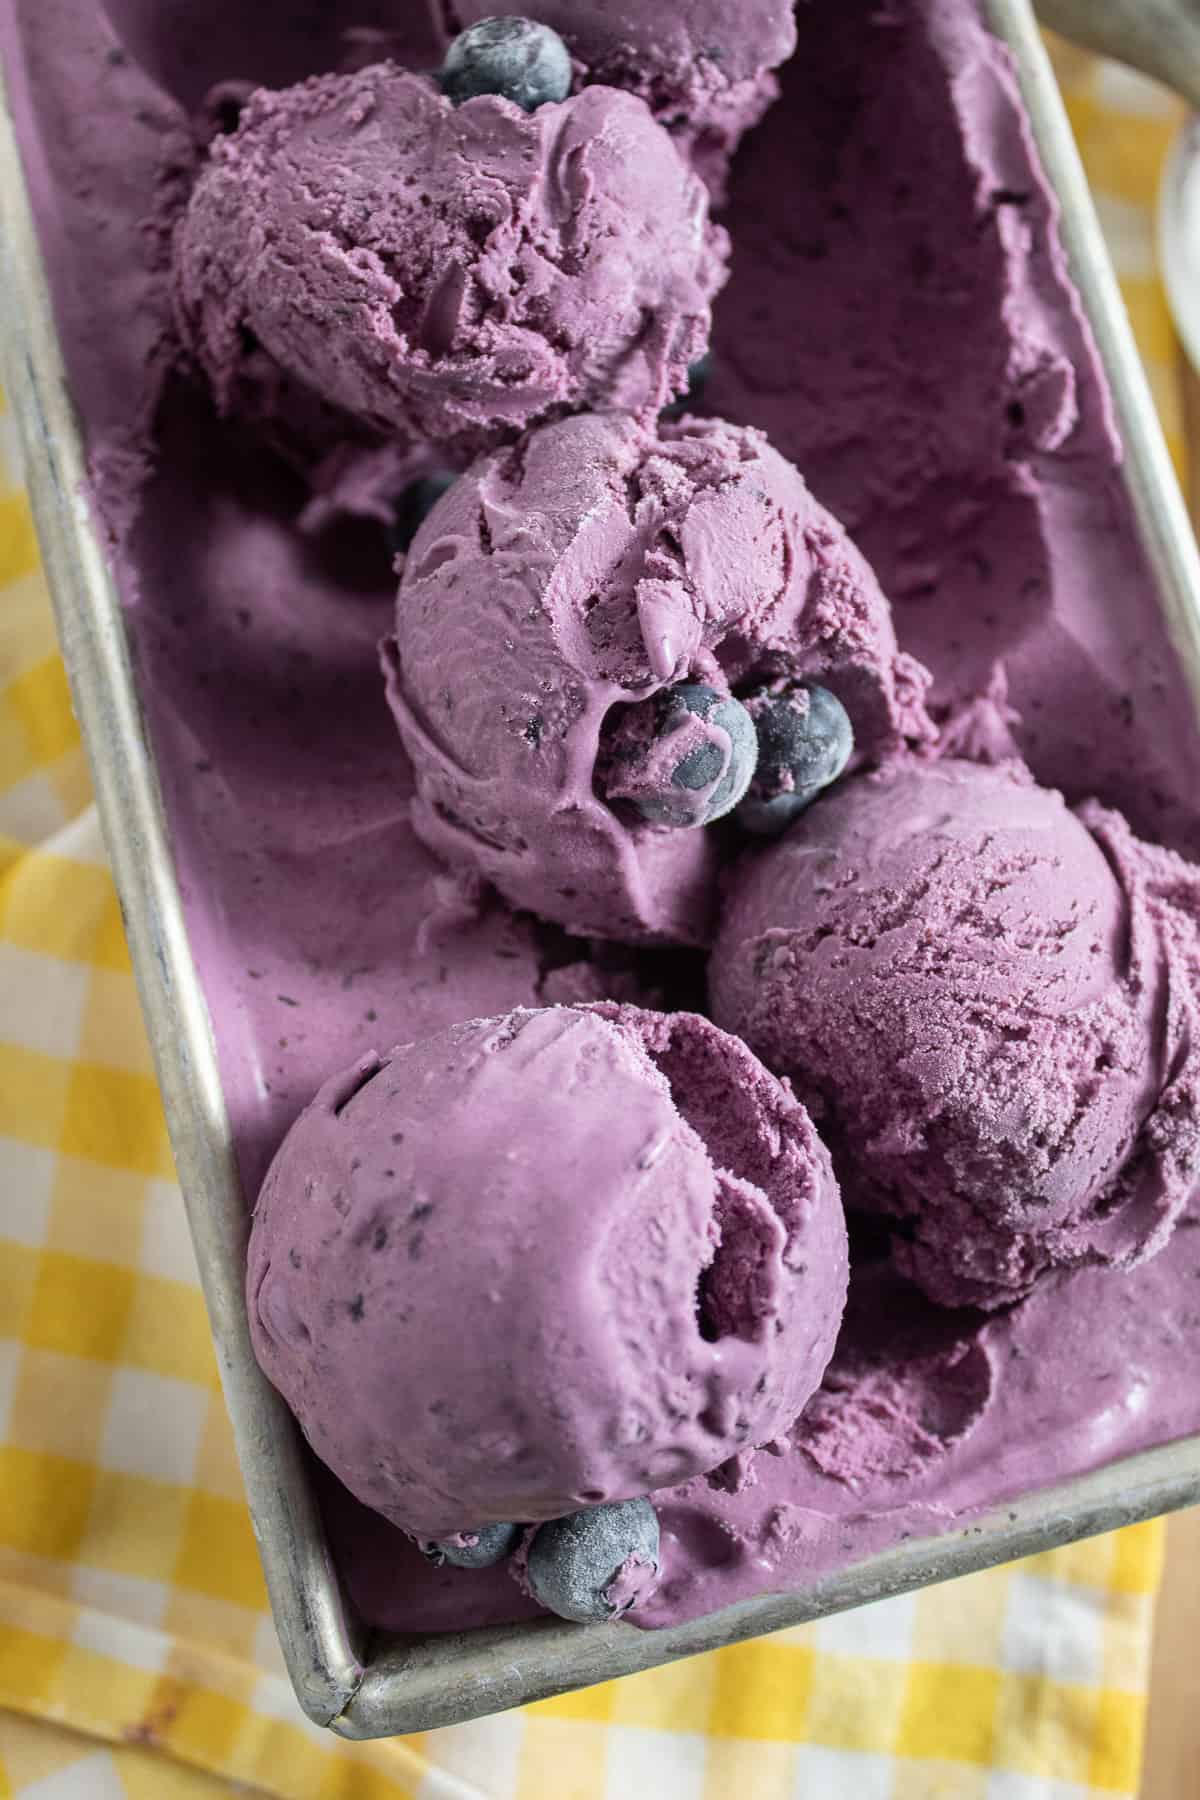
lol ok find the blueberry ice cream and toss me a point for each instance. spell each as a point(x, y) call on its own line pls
point(991, 1002)
point(1015, 1129)
point(604, 1246)
point(554, 602)
point(447, 267)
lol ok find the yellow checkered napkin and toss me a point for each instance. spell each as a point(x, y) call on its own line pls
point(137, 1658)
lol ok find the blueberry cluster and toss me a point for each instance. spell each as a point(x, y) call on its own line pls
point(584, 1567)
point(700, 755)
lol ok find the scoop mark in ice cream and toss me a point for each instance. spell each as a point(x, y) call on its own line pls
point(515, 58)
point(908, 1383)
point(596, 1564)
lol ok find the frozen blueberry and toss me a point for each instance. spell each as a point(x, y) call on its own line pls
point(473, 1549)
point(595, 1564)
point(414, 506)
point(732, 767)
point(805, 740)
point(684, 758)
point(516, 58)
point(699, 376)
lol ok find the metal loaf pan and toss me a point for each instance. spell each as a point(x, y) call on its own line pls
point(373, 1687)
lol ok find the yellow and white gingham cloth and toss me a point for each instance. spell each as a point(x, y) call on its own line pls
point(137, 1657)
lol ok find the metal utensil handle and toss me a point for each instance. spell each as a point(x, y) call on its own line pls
point(1162, 517)
point(1160, 37)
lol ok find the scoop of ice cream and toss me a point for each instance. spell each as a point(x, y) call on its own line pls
point(546, 1261)
point(703, 65)
point(737, 39)
point(990, 1001)
point(549, 599)
point(450, 272)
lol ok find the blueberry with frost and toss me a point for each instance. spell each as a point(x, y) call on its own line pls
point(515, 58)
point(684, 758)
point(596, 1564)
point(805, 741)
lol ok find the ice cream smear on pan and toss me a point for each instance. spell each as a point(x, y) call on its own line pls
point(681, 790)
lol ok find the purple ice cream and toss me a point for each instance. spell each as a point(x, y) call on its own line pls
point(562, 585)
point(448, 272)
point(189, 49)
point(546, 1261)
point(991, 1003)
point(900, 321)
point(704, 66)
point(702, 63)
point(725, 40)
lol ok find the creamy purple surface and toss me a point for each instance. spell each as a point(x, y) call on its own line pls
point(450, 272)
point(989, 1002)
point(899, 323)
point(555, 591)
point(634, 1281)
